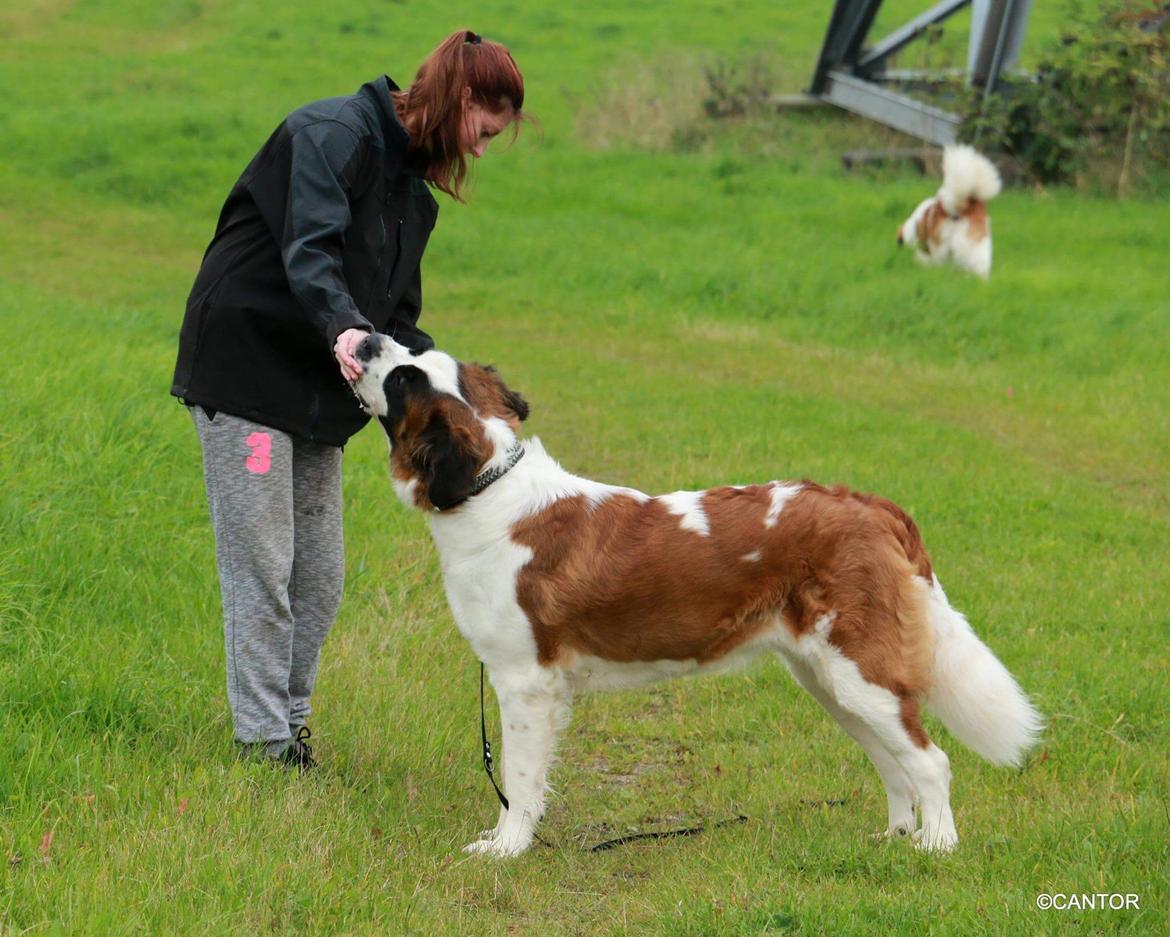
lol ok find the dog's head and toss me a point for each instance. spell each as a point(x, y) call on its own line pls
point(447, 421)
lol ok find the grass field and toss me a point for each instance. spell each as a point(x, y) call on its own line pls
point(731, 310)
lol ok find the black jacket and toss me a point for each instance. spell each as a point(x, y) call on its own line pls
point(323, 232)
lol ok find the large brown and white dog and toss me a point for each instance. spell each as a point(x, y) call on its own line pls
point(562, 585)
point(953, 224)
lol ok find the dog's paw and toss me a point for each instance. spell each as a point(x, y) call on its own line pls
point(500, 846)
point(894, 832)
point(939, 840)
point(495, 848)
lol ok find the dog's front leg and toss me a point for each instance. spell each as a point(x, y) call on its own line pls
point(532, 708)
point(493, 833)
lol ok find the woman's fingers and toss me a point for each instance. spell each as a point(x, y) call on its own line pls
point(349, 367)
point(343, 350)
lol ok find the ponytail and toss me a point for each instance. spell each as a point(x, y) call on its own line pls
point(432, 108)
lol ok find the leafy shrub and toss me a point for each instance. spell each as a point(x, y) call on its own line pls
point(1098, 110)
point(735, 91)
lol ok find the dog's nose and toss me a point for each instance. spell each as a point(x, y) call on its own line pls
point(368, 347)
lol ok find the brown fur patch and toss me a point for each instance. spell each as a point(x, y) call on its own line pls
point(619, 580)
point(624, 581)
point(929, 225)
point(912, 722)
point(977, 221)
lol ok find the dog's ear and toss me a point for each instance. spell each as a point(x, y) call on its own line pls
point(447, 458)
point(515, 402)
point(484, 389)
point(511, 399)
point(397, 387)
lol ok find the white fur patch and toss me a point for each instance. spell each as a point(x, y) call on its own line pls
point(441, 370)
point(500, 434)
point(689, 506)
point(823, 625)
point(781, 495)
point(405, 490)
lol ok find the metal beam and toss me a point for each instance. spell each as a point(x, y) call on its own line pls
point(920, 76)
point(892, 109)
point(848, 27)
point(996, 40)
point(906, 34)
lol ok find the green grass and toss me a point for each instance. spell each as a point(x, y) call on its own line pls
point(731, 312)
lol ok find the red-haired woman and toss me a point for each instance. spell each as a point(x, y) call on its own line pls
point(318, 243)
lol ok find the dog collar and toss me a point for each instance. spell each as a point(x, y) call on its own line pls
point(483, 479)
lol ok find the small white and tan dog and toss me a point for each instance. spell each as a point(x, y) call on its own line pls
point(954, 225)
point(564, 585)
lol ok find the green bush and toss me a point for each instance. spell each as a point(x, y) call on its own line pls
point(1097, 112)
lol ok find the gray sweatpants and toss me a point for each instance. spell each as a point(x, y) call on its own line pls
point(276, 508)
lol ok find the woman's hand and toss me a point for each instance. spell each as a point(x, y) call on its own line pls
point(343, 350)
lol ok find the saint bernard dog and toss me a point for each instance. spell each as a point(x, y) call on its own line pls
point(564, 585)
point(953, 224)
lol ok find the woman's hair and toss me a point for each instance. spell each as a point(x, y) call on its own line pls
point(432, 108)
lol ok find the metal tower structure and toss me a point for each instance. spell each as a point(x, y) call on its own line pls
point(854, 76)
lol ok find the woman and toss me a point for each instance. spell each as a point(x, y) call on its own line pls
point(319, 242)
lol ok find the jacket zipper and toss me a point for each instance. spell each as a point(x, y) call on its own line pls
point(397, 258)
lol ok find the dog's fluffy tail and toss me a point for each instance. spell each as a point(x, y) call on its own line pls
point(973, 693)
point(967, 176)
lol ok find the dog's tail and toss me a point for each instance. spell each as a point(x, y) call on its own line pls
point(973, 693)
point(968, 177)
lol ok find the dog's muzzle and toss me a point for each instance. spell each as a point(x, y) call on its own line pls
point(368, 347)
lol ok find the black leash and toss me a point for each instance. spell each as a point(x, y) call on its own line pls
point(663, 834)
point(487, 746)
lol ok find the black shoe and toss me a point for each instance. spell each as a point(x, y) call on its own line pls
point(298, 754)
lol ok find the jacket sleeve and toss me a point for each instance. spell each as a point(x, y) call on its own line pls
point(324, 162)
point(402, 327)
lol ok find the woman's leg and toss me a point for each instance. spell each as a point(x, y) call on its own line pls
point(318, 571)
point(248, 470)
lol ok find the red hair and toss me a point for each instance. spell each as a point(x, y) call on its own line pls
point(432, 108)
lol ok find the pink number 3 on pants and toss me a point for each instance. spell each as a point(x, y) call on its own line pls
point(260, 461)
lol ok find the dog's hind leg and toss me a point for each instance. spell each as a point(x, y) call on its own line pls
point(900, 796)
point(533, 707)
point(894, 722)
point(929, 771)
point(872, 655)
